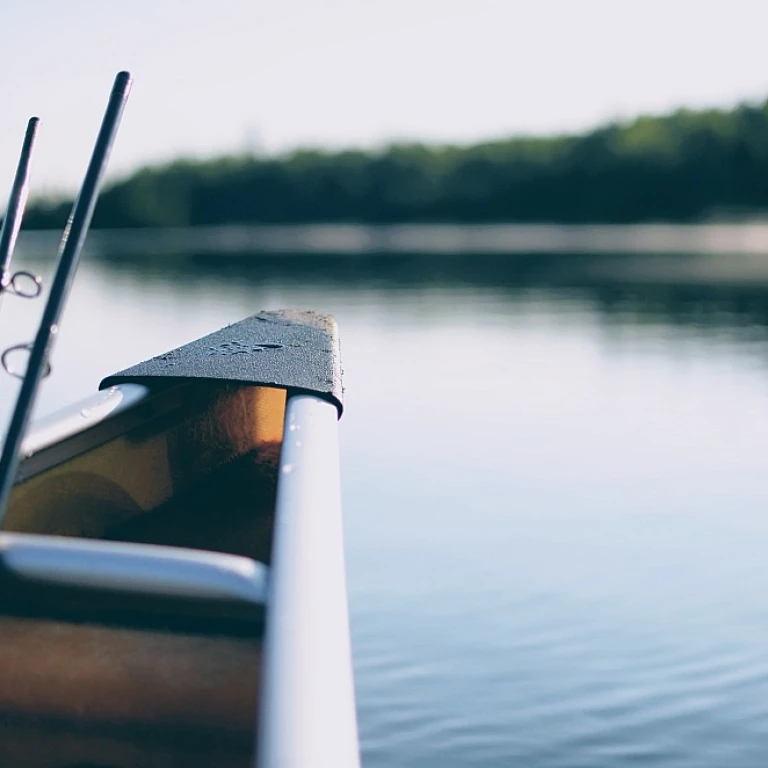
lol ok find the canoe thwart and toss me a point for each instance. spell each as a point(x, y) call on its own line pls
point(128, 584)
point(296, 351)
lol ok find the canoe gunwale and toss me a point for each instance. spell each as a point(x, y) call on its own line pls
point(307, 703)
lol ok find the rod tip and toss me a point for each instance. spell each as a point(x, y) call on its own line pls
point(30, 134)
point(122, 82)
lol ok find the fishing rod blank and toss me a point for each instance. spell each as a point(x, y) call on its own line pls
point(69, 254)
point(14, 214)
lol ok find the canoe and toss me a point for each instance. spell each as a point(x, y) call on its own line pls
point(172, 564)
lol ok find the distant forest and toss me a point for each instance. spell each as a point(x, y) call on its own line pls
point(685, 166)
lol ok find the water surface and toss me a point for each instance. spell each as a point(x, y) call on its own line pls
point(554, 491)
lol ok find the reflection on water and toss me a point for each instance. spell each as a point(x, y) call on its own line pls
point(553, 484)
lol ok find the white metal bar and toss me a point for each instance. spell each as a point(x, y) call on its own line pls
point(142, 569)
point(307, 716)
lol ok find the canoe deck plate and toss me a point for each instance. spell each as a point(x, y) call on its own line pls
point(297, 351)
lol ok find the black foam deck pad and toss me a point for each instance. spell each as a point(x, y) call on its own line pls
point(298, 351)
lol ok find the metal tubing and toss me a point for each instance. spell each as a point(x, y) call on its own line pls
point(307, 706)
point(140, 569)
point(69, 255)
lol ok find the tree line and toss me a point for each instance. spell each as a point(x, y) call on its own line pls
point(684, 166)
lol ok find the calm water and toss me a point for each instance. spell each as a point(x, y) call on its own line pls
point(555, 493)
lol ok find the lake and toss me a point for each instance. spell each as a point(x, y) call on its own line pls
point(554, 479)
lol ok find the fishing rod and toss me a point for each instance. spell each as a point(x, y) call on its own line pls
point(70, 248)
point(12, 221)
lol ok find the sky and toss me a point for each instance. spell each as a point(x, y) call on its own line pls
point(225, 76)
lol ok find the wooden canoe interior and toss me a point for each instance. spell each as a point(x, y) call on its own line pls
point(198, 472)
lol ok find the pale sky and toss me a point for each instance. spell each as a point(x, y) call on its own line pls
point(218, 76)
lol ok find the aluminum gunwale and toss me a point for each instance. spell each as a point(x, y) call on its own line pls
point(307, 710)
